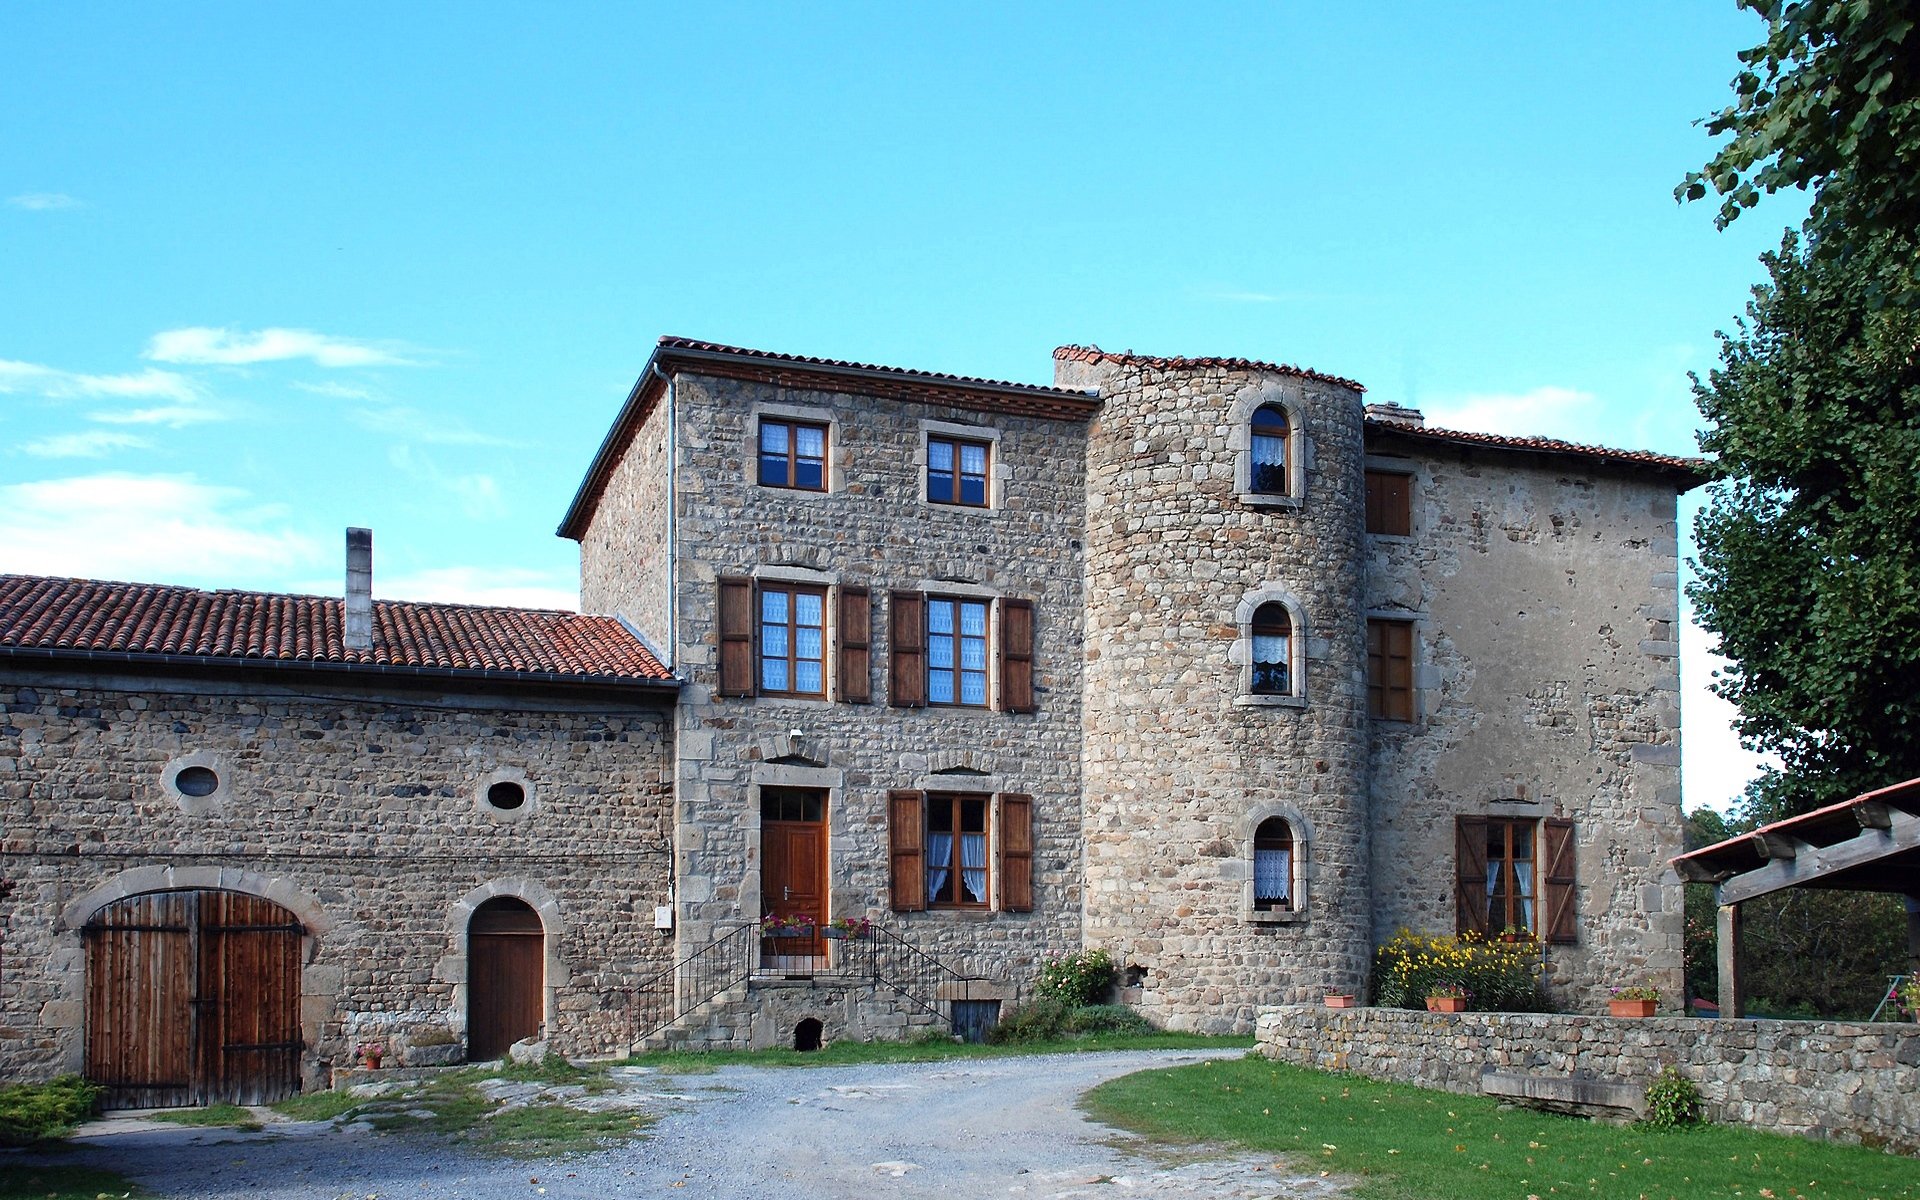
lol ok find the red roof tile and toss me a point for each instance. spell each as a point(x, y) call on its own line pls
point(1094, 354)
point(94, 617)
point(1700, 468)
point(935, 378)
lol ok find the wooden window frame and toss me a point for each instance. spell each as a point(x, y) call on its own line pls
point(1387, 701)
point(792, 591)
point(793, 453)
point(955, 802)
point(1258, 428)
point(957, 493)
point(1255, 631)
point(1389, 505)
point(1513, 832)
point(986, 670)
point(1286, 904)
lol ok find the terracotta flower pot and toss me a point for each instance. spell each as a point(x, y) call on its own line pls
point(1446, 1004)
point(1339, 1001)
point(1631, 1008)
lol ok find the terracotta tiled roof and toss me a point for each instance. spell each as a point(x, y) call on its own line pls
point(1700, 468)
point(131, 621)
point(931, 377)
point(1094, 354)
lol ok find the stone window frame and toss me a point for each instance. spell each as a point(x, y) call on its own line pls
point(1241, 654)
point(834, 479)
point(805, 767)
point(970, 774)
point(1302, 831)
point(997, 471)
point(213, 803)
point(1382, 465)
point(1240, 442)
point(507, 816)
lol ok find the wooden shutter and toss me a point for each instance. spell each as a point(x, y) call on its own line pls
point(1556, 855)
point(856, 633)
point(907, 645)
point(906, 835)
point(1389, 503)
point(1016, 853)
point(1470, 874)
point(1016, 655)
point(736, 636)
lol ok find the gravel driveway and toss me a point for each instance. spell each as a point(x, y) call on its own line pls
point(964, 1129)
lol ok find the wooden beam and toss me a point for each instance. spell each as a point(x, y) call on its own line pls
point(1726, 941)
point(1872, 814)
point(1811, 864)
point(1774, 845)
point(1699, 872)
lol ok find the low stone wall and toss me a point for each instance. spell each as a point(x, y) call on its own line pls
point(1829, 1079)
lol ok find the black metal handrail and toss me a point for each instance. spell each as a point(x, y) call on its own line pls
point(722, 963)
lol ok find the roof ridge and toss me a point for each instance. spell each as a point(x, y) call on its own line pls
point(1094, 354)
point(675, 342)
point(1543, 443)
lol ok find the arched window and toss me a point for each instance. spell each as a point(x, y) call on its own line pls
point(1273, 866)
point(1272, 650)
point(1271, 434)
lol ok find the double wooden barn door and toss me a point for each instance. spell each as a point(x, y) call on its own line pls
point(193, 998)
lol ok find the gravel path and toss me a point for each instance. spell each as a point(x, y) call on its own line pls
point(966, 1129)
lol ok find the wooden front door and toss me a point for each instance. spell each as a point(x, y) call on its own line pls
point(793, 871)
point(506, 977)
point(193, 998)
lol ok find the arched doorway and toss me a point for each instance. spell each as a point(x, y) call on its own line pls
point(193, 997)
point(506, 976)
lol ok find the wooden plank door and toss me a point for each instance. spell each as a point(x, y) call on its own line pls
point(506, 977)
point(793, 880)
point(248, 1007)
point(140, 990)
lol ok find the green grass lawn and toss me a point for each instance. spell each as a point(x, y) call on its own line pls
point(63, 1183)
point(1408, 1143)
point(844, 1054)
point(212, 1114)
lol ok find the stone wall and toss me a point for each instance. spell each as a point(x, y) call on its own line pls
point(1181, 761)
point(624, 555)
point(361, 811)
point(1545, 600)
point(870, 528)
point(1851, 1082)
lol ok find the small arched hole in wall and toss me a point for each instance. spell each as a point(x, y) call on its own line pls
point(506, 795)
point(1136, 976)
point(806, 1035)
point(196, 781)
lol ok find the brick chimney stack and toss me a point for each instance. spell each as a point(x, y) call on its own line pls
point(358, 634)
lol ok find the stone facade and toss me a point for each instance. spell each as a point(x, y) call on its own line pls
point(1853, 1082)
point(361, 810)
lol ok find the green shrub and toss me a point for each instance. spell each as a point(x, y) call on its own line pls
point(1078, 979)
point(1497, 976)
point(1107, 1018)
point(1673, 1100)
point(33, 1112)
point(1042, 1019)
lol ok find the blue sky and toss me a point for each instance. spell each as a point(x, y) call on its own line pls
point(275, 271)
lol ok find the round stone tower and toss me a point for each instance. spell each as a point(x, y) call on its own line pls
point(1225, 712)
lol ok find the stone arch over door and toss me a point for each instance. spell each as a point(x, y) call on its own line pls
point(457, 968)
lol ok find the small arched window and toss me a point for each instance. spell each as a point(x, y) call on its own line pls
point(1271, 435)
point(1272, 650)
point(1273, 866)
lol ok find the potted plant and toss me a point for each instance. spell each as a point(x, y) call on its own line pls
point(370, 1054)
point(1513, 933)
point(1335, 999)
point(1904, 996)
point(795, 926)
point(844, 927)
point(1635, 1001)
point(1448, 998)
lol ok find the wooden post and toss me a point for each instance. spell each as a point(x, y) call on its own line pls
point(1726, 940)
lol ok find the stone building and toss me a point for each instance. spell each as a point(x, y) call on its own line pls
point(1202, 661)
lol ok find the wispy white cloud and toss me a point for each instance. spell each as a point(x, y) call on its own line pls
point(477, 494)
point(512, 586)
point(150, 384)
point(1715, 768)
point(339, 391)
point(166, 528)
point(412, 425)
point(1543, 412)
point(173, 416)
point(95, 443)
point(229, 347)
point(43, 201)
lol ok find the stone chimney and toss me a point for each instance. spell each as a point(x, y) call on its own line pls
point(1396, 414)
point(358, 635)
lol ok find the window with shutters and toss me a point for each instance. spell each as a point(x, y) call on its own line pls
point(794, 640)
point(960, 850)
point(1515, 875)
point(793, 454)
point(948, 651)
point(1390, 670)
point(1390, 503)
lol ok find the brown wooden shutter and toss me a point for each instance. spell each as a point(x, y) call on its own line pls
point(906, 835)
point(907, 644)
point(856, 633)
point(1016, 655)
point(1556, 855)
point(1016, 853)
point(1470, 874)
point(736, 636)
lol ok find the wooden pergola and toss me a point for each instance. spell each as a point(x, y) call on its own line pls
point(1870, 843)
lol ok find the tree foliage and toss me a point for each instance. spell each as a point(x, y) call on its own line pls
point(1829, 100)
point(1807, 547)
